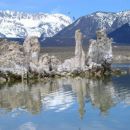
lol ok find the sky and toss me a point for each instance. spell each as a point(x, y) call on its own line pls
point(73, 8)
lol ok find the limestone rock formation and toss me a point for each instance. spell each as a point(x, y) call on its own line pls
point(48, 63)
point(78, 61)
point(79, 53)
point(36, 62)
point(32, 47)
point(20, 60)
point(12, 58)
point(100, 51)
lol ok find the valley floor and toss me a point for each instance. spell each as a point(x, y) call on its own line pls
point(121, 53)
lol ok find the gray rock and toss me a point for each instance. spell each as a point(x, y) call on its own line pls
point(26, 59)
point(2, 80)
point(36, 62)
point(78, 61)
point(12, 58)
point(32, 50)
point(100, 51)
point(79, 53)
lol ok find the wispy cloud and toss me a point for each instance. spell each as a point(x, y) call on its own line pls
point(56, 10)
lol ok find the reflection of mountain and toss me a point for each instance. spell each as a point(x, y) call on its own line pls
point(60, 95)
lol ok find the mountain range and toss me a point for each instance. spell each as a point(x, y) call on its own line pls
point(15, 24)
point(121, 35)
point(59, 29)
point(88, 25)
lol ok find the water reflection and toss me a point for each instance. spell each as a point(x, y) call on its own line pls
point(60, 94)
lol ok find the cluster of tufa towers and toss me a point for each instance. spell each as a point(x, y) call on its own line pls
point(98, 57)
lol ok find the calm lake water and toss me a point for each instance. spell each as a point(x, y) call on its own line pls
point(67, 104)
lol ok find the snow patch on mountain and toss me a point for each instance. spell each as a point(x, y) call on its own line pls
point(15, 24)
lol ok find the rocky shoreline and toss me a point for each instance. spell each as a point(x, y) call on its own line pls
point(26, 62)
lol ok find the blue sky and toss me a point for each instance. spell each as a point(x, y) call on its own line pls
point(74, 8)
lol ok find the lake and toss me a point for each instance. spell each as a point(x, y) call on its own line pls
point(67, 104)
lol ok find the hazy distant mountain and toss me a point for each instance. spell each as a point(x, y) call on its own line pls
point(15, 24)
point(88, 25)
point(121, 34)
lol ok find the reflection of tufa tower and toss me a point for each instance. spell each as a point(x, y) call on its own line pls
point(78, 85)
point(101, 94)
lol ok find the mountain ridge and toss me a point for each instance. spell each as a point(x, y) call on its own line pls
point(121, 34)
point(62, 34)
point(88, 25)
point(16, 24)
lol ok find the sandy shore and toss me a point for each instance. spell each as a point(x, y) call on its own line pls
point(121, 53)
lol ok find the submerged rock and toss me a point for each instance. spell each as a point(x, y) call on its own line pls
point(119, 72)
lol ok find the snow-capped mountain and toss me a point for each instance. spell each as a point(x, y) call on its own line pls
point(20, 24)
point(88, 25)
